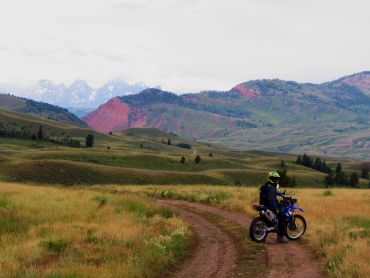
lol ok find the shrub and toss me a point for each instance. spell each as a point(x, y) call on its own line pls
point(182, 160)
point(102, 200)
point(57, 275)
point(354, 180)
point(184, 145)
point(55, 246)
point(327, 193)
point(4, 202)
point(165, 212)
point(143, 209)
point(197, 159)
point(91, 238)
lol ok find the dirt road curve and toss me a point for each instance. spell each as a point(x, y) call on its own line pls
point(219, 251)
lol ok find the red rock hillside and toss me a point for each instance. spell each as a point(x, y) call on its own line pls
point(246, 91)
point(110, 116)
point(360, 80)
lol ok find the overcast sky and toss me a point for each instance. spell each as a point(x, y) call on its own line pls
point(182, 45)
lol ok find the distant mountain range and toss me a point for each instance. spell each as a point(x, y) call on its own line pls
point(78, 96)
point(277, 115)
point(331, 118)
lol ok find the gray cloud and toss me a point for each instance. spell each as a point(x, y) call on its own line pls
point(183, 45)
point(37, 52)
point(110, 56)
point(128, 5)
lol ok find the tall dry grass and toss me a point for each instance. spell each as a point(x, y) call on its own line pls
point(338, 219)
point(64, 232)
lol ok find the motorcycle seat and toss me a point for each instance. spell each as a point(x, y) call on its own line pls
point(259, 207)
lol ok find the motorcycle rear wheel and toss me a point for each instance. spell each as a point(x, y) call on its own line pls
point(258, 230)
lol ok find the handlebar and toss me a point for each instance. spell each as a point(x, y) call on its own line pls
point(288, 197)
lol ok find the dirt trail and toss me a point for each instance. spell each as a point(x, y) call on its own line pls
point(216, 254)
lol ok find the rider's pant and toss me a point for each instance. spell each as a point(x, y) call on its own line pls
point(281, 224)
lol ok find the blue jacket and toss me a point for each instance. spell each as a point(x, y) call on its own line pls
point(268, 194)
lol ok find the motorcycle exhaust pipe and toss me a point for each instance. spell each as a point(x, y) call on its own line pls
point(269, 216)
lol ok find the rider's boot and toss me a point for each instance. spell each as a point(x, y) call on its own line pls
point(281, 239)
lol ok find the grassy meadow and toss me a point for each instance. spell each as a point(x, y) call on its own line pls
point(60, 215)
point(70, 232)
point(338, 219)
point(143, 156)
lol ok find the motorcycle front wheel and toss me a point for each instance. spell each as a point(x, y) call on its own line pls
point(258, 230)
point(296, 227)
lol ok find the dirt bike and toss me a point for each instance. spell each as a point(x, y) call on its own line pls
point(267, 221)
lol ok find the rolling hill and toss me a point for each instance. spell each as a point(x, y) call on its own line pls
point(27, 106)
point(331, 118)
point(138, 156)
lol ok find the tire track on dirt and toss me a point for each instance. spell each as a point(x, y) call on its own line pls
point(215, 254)
point(294, 259)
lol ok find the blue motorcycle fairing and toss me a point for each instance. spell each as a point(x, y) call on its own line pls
point(297, 207)
point(288, 210)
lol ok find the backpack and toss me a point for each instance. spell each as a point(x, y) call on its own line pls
point(263, 195)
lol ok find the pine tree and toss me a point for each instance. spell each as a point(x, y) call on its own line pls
point(338, 170)
point(329, 180)
point(354, 180)
point(182, 160)
point(299, 159)
point(40, 133)
point(89, 141)
point(168, 141)
point(293, 181)
point(306, 161)
point(325, 168)
point(318, 164)
point(365, 173)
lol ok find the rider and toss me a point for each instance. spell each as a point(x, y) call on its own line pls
point(268, 194)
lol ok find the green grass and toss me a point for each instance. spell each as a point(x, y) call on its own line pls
point(66, 232)
point(339, 224)
point(143, 210)
point(201, 195)
point(141, 156)
point(327, 193)
point(55, 246)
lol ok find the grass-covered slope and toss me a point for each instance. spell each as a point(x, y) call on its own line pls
point(138, 156)
point(45, 110)
point(50, 126)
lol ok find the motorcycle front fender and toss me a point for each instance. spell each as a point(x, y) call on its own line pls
point(298, 208)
